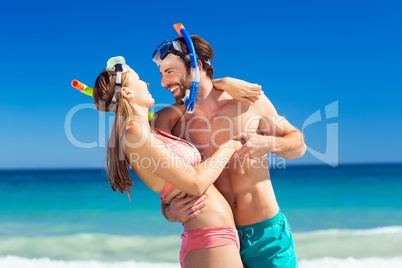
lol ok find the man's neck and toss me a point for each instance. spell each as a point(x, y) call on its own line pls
point(205, 88)
point(207, 98)
point(207, 94)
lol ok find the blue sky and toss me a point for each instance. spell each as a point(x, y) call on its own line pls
point(305, 54)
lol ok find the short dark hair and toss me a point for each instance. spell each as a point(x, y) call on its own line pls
point(204, 52)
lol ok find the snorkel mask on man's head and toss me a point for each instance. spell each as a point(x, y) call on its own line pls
point(116, 65)
point(167, 47)
point(174, 47)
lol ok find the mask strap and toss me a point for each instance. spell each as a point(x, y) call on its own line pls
point(113, 103)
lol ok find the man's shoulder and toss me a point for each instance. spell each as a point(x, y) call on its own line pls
point(167, 117)
point(263, 106)
point(260, 106)
point(171, 110)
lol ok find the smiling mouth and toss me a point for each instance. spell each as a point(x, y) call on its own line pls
point(174, 90)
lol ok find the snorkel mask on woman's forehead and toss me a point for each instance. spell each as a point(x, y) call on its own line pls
point(116, 65)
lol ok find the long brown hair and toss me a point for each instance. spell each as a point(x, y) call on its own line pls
point(117, 166)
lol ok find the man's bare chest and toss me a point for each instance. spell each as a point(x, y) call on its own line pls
point(208, 131)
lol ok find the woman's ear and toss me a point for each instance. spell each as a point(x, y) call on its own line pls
point(127, 93)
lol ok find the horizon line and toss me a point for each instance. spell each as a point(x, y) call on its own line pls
point(27, 169)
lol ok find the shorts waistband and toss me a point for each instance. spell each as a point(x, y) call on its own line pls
point(263, 224)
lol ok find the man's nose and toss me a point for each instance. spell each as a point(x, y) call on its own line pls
point(163, 81)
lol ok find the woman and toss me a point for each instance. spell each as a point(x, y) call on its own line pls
point(168, 165)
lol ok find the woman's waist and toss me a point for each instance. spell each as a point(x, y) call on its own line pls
point(216, 212)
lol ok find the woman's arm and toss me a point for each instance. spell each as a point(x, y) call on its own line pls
point(143, 150)
point(240, 90)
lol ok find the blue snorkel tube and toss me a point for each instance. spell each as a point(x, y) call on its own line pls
point(191, 95)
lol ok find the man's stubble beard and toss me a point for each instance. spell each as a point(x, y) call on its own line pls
point(184, 84)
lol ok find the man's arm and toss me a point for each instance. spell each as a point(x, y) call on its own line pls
point(281, 138)
point(183, 208)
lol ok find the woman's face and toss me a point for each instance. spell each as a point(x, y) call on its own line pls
point(142, 96)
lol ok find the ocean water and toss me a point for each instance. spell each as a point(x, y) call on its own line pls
point(349, 216)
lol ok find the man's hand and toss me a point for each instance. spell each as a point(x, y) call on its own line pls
point(183, 208)
point(255, 146)
point(240, 90)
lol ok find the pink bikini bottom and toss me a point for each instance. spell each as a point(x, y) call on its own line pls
point(208, 237)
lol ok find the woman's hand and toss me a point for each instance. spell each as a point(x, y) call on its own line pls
point(240, 90)
point(255, 146)
point(234, 144)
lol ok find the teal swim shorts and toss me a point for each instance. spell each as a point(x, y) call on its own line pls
point(267, 244)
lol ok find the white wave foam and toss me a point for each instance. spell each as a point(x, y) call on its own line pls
point(395, 262)
point(18, 262)
point(381, 230)
point(383, 242)
point(100, 247)
point(358, 232)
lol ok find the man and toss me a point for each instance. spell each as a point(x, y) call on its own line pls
point(265, 236)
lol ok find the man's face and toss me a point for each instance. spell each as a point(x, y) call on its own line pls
point(175, 77)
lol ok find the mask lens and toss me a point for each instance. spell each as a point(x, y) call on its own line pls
point(165, 50)
point(116, 60)
point(161, 51)
point(167, 47)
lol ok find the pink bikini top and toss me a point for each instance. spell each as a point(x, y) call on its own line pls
point(180, 147)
